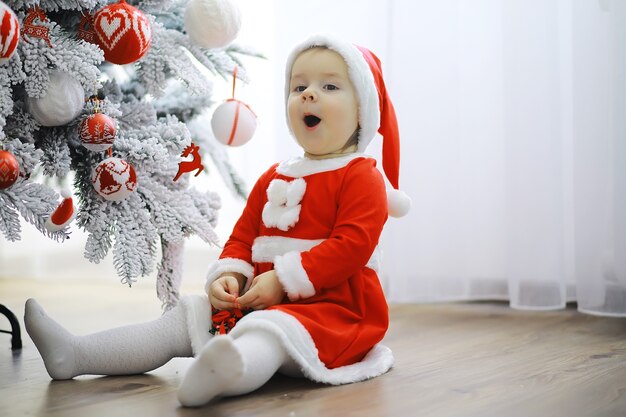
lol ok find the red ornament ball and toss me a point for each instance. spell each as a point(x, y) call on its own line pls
point(9, 169)
point(233, 123)
point(123, 32)
point(9, 32)
point(114, 179)
point(97, 132)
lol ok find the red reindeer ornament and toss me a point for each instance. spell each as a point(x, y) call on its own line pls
point(190, 166)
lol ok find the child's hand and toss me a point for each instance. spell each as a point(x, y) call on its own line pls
point(223, 292)
point(265, 291)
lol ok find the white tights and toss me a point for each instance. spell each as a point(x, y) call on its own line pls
point(225, 366)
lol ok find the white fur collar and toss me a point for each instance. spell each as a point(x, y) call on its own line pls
point(302, 166)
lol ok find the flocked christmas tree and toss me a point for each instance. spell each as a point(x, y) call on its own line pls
point(64, 113)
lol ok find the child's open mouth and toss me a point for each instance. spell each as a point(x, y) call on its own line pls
point(311, 120)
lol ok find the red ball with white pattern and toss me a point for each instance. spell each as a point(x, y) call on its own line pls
point(114, 179)
point(124, 33)
point(9, 33)
point(97, 132)
point(9, 169)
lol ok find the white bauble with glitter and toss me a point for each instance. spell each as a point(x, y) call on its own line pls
point(63, 102)
point(233, 123)
point(212, 23)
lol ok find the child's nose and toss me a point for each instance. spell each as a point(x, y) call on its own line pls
point(309, 94)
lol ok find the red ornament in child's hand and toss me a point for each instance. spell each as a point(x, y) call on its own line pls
point(9, 169)
point(223, 321)
point(9, 32)
point(97, 132)
point(123, 31)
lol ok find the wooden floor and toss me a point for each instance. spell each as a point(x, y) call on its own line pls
point(470, 359)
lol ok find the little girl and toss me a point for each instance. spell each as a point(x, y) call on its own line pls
point(302, 258)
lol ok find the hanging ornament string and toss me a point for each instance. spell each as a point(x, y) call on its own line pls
point(234, 130)
point(36, 31)
point(234, 82)
point(96, 104)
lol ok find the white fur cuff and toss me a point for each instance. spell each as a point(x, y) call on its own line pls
point(228, 265)
point(293, 277)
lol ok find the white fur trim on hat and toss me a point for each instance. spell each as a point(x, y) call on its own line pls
point(360, 75)
point(293, 276)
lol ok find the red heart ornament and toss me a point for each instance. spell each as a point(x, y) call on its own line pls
point(123, 32)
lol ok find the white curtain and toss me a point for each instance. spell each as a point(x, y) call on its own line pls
point(513, 123)
point(513, 117)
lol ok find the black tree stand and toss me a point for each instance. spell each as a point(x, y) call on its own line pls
point(16, 334)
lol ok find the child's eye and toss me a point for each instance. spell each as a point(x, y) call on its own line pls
point(331, 87)
point(299, 88)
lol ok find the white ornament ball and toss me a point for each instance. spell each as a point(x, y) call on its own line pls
point(212, 23)
point(233, 123)
point(62, 103)
point(114, 179)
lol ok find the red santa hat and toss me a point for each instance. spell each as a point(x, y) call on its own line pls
point(376, 112)
point(63, 214)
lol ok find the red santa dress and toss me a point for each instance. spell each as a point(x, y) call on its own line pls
point(317, 224)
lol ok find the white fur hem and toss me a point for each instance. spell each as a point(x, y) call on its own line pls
point(198, 316)
point(228, 265)
point(301, 348)
point(292, 276)
point(267, 248)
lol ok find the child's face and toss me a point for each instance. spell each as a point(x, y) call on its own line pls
point(322, 107)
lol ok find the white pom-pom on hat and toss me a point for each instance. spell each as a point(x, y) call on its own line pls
point(398, 203)
point(212, 23)
point(63, 214)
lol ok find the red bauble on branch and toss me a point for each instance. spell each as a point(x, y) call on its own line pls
point(9, 169)
point(123, 31)
point(9, 32)
point(114, 179)
point(97, 132)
